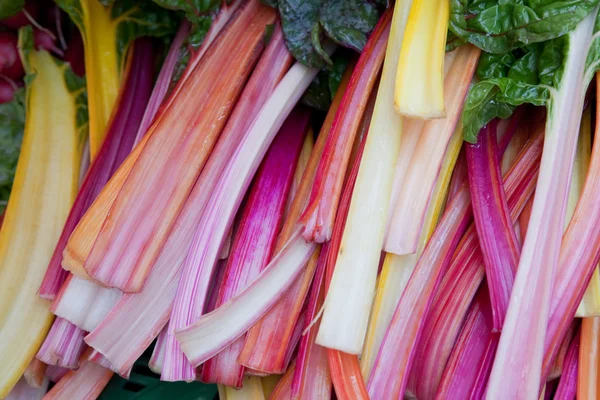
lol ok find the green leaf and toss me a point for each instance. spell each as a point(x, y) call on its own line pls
point(322, 89)
point(306, 23)
point(299, 18)
point(453, 41)
point(198, 12)
point(318, 95)
point(592, 62)
point(497, 97)
point(494, 65)
point(526, 75)
point(340, 63)
point(348, 22)
point(270, 3)
point(12, 123)
point(137, 18)
point(8, 8)
point(77, 86)
point(134, 19)
point(499, 26)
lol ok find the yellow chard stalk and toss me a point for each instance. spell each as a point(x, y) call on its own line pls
point(107, 32)
point(45, 186)
point(397, 269)
point(103, 71)
point(419, 88)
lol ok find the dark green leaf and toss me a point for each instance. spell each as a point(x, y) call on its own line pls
point(501, 26)
point(381, 3)
point(12, 123)
point(315, 39)
point(299, 18)
point(198, 32)
point(322, 89)
point(270, 3)
point(318, 95)
point(269, 33)
point(349, 22)
point(8, 8)
point(340, 63)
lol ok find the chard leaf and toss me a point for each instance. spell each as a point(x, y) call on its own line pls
point(137, 18)
point(131, 19)
point(318, 95)
point(500, 26)
point(300, 19)
point(199, 12)
point(77, 87)
point(12, 124)
point(526, 75)
point(8, 8)
point(348, 22)
point(325, 85)
point(306, 23)
point(494, 65)
point(497, 97)
point(453, 41)
point(592, 62)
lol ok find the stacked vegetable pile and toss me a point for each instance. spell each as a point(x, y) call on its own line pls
point(301, 197)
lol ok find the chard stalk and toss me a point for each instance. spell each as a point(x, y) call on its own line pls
point(517, 368)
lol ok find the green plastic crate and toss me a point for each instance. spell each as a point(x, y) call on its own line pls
point(144, 384)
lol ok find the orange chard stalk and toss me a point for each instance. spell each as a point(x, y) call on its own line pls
point(162, 177)
point(588, 381)
point(283, 390)
point(35, 373)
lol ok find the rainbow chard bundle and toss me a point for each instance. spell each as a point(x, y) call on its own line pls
point(301, 199)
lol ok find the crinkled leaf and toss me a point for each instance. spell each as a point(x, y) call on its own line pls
point(497, 97)
point(494, 65)
point(322, 89)
point(307, 23)
point(137, 18)
point(299, 18)
point(526, 75)
point(503, 25)
point(12, 123)
point(525, 69)
point(592, 62)
point(8, 8)
point(348, 22)
point(132, 19)
point(551, 62)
